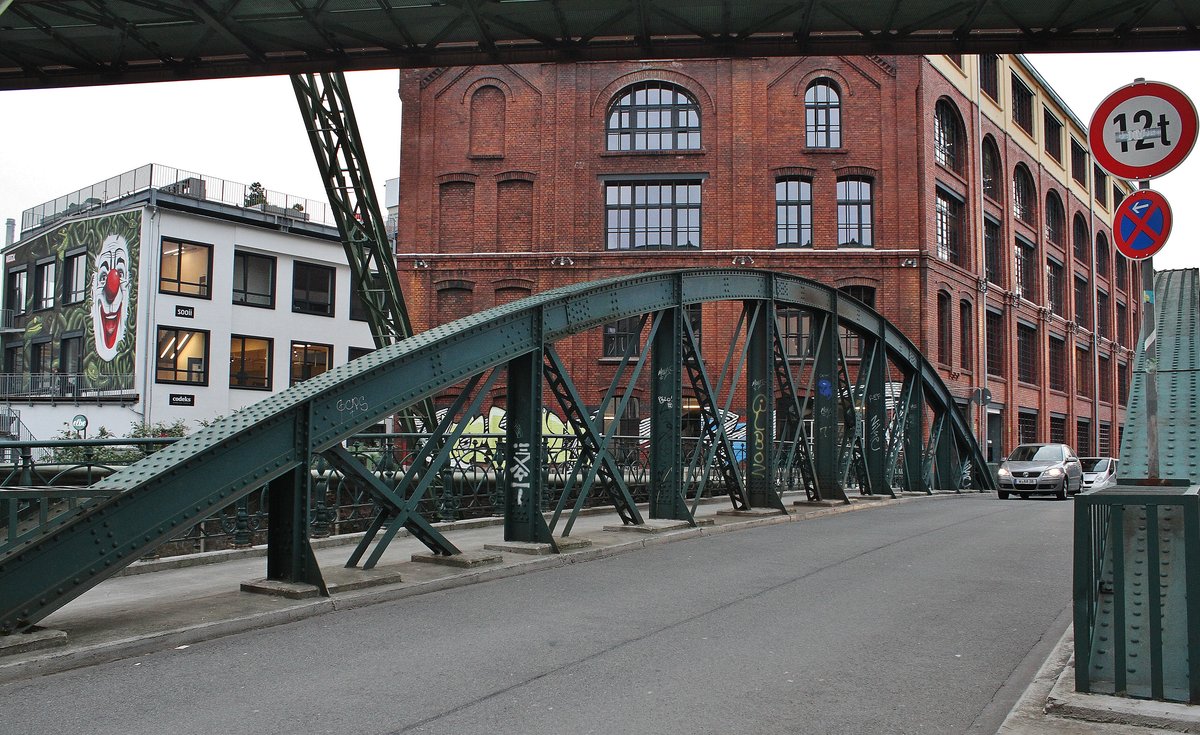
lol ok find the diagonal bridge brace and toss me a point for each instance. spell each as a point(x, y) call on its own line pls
point(795, 455)
point(398, 513)
point(593, 450)
point(720, 448)
point(394, 508)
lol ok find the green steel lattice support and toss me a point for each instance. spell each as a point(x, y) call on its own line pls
point(524, 453)
point(143, 505)
point(667, 500)
point(761, 456)
point(825, 406)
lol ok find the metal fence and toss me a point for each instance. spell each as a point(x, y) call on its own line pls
point(77, 387)
point(40, 482)
point(180, 183)
point(1137, 592)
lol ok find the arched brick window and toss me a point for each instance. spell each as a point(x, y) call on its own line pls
point(949, 136)
point(1101, 254)
point(1024, 195)
point(945, 322)
point(823, 114)
point(1056, 219)
point(993, 170)
point(854, 205)
point(1080, 240)
point(487, 122)
point(653, 116)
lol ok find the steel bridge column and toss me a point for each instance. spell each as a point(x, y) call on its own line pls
point(666, 423)
point(914, 441)
point(760, 407)
point(825, 407)
point(524, 455)
point(948, 470)
point(875, 414)
point(289, 555)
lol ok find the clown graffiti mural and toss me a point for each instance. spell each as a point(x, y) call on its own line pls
point(110, 296)
point(96, 306)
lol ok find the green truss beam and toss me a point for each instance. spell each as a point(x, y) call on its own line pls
point(147, 503)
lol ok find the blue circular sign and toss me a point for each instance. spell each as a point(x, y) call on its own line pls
point(1142, 224)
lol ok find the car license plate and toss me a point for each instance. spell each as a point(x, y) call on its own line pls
point(1026, 480)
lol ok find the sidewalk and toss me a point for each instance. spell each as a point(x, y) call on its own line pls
point(1051, 705)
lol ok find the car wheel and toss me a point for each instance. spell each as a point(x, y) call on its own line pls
point(1061, 493)
point(1003, 494)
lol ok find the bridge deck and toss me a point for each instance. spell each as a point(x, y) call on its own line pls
point(187, 604)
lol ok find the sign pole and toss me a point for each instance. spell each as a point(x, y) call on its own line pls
point(1150, 353)
point(1139, 132)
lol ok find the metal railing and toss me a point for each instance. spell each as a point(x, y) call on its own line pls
point(42, 482)
point(32, 472)
point(180, 183)
point(1137, 592)
point(65, 386)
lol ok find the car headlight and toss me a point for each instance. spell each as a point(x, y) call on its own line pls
point(1054, 472)
point(1003, 472)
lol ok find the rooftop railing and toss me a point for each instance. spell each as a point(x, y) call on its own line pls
point(178, 182)
point(77, 387)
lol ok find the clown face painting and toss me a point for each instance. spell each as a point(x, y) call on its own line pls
point(110, 296)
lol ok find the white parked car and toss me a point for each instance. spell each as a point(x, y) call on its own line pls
point(1098, 472)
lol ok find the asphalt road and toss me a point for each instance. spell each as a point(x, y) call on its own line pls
point(926, 617)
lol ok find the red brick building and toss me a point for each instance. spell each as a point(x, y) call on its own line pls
point(955, 194)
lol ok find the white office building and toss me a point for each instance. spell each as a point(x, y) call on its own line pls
point(162, 294)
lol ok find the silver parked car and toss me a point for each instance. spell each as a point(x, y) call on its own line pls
point(1098, 472)
point(1040, 469)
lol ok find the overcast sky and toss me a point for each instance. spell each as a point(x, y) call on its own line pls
point(245, 130)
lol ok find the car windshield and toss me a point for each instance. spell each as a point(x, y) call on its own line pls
point(1094, 464)
point(1037, 453)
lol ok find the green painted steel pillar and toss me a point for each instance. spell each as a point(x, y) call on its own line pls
point(524, 454)
point(949, 471)
point(289, 555)
point(760, 408)
point(825, 412)
point(875, 419)
point(914, 442)
point(666, 420)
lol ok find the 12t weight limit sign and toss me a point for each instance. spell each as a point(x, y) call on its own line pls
point(1142, 131)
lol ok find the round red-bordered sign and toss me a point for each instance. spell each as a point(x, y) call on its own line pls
point(1142, 224)
point(1142, 131)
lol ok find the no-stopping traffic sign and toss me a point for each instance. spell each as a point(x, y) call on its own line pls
point(1141, 224)
point(1143, 130)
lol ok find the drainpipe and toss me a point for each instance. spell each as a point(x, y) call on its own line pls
point(981, 259)
point(1094, 430)
point(149, 273)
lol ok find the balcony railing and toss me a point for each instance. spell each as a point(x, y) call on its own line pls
point(76, 387)
point(180, 183)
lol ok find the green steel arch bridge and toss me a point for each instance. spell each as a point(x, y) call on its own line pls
point(813, 424)
point(863, 434)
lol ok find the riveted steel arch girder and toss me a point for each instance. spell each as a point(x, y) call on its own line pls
point(183, 483)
